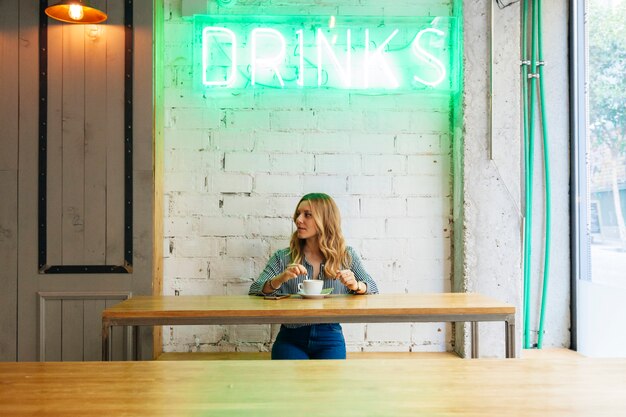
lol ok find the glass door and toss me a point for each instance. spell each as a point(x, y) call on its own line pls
point(599, 176)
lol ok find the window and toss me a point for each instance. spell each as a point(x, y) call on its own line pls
point(599, 175)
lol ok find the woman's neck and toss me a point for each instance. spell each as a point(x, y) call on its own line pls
point(311, 249)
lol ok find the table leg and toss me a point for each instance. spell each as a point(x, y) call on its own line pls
point(510, 337)
point(474, 339)
point(106, 340)
point(135, 343)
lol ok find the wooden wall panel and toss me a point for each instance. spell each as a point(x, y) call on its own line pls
point(8, 83)
point(8, 265)
point(51, 340)
point(143, 134)
point(73, 144)
point(115, 133)
point(72, 330)
point(95, 147)
point(92, 329)
point(142, 105)
point(85, 154)
point(96, 121)
point(54, 195)
point(71, 326)
point(144, 113)
point(28, 103)
point(9, 73)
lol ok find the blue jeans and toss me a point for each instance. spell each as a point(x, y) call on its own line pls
point(319, 341)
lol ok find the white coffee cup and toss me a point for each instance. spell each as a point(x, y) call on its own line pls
point(311, 286)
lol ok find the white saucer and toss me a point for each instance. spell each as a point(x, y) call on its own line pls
point(312, 296)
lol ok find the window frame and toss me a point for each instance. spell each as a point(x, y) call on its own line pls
point(580, 251)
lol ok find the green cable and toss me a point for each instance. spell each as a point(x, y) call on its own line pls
point(548, 202)
point(531, 154)
point(524, 82)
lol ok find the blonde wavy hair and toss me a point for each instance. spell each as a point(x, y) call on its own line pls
point(330, 238)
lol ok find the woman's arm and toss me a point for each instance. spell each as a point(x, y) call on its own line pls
point(273, 268)
point(366, 284)
point(275, 275)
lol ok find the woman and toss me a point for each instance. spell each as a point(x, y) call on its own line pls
point(317, 251)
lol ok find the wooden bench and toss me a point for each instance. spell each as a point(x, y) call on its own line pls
point(216, 356)
point(400, 388)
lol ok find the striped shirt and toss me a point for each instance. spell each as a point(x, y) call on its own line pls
point(281, 258)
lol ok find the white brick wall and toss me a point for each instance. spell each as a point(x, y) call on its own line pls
point(231, 183)
point(246, 162)
point(231, 270)
point(236, 164)
point(388, 332)
point(290, 142)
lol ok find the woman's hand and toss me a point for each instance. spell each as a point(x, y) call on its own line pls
point(348, 279)
point(292, 271)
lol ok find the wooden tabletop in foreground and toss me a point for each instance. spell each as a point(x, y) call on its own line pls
point(363, 305)
point(572, 387)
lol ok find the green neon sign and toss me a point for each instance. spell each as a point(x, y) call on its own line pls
point(354, 53)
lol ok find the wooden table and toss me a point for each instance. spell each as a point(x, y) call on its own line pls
point(379, 308)
point(400, 388)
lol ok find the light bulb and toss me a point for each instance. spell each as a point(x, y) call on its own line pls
point(76, 11)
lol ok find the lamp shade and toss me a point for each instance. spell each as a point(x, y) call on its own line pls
point(75, 11)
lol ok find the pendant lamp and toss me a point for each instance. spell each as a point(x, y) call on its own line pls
point(75, 11)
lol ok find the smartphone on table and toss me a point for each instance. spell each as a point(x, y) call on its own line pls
point(276, 296)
